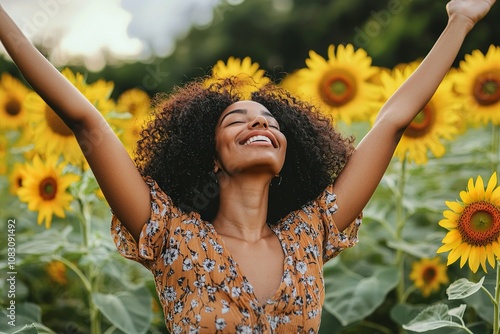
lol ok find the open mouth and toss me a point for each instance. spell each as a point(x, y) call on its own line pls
point(259, 139)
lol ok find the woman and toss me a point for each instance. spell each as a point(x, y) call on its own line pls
point(229, 250)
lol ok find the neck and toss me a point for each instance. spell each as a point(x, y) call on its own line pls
point(242, 213)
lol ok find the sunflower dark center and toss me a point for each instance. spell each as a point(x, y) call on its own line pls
point(429, 275)
point(337, 88)
point(19, 181)
point(56, 124)
point(479, 223)
point(487, 88)
point(13, 107)
point(48, 188)
point(132, 108)
point(422, 123)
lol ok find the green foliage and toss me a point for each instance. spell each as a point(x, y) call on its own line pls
point(352, 297)
point(99, 281)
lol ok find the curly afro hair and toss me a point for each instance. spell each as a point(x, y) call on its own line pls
point(177, 147)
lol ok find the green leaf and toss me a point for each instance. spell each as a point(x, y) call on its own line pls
point(481, 302)
point(129, 311)
point(419, 250)
point(404, 313)
point(26, 329)
point(46, 242)
point(350, 296)
point(463, 288)
point(25, 317)
point(458, 312)
point(434, 317)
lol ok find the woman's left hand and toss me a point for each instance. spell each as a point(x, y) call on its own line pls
point(471, 11)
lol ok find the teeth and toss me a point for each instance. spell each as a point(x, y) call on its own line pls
point(258, 138)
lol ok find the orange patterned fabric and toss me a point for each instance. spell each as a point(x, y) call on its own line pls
point(202, 289)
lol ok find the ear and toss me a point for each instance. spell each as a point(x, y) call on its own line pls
point(216, 167)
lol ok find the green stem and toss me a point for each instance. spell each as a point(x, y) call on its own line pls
point(495, 148)
point(497, 300)
point(400, 221)
point(467, 330)
point(78, 272)
point(85, 222)
point(490, 296)
point(408, 292)
point(110, 330)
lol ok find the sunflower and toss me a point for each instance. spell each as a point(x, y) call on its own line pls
point(44, 189)
point(12, 112)
point(473, 225)
point(57, 272)
point(4, 146)
point(131, 132)
point(247, 75)
point(436, 122)
point(428, 275)
point(16, 177)
point(463, 117)
point(478, 83)
point(99, 94)
point(136, 104)
point(52, 135)
point(134, 101)
point(289, 83)
point(340, 85)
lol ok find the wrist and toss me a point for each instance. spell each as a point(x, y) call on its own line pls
point(461, 22)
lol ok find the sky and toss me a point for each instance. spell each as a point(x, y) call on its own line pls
point(88, 30)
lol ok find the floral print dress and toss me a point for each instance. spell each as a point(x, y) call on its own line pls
point(202, 289)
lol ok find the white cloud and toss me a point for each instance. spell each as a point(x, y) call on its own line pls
point(160, 22)
point(123, 29)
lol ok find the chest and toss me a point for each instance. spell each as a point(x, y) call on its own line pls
point(261, 264)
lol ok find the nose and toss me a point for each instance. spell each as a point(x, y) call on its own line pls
point(259, 122)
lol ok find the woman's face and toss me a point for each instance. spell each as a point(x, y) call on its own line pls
point(248, 138)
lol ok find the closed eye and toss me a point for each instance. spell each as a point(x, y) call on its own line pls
point(234, 122)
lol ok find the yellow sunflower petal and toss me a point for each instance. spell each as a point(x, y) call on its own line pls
point(495, 196)
point(483, 257)
point(452, 236)
point(455, 253)
point(492, 183)
point(478, 192)
point(455, 207)
point(448, 223)
point(495, 246)
point(474, 258)
point(465, 197)
point(465, 250)
point(490, 254)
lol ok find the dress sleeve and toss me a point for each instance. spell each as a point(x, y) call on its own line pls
point(334, 241)
point(154, 232)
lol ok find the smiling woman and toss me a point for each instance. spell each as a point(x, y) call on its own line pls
point(232, 251)
point(188, 123)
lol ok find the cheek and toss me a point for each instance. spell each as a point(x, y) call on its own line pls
point(284, 144)
point(222, 143)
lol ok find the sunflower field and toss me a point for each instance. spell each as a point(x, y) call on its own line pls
point(429, 246)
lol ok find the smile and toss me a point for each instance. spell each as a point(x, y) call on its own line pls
point(258, 138)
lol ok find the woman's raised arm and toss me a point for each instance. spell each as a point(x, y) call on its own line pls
point(359, 179)
point(121, 183)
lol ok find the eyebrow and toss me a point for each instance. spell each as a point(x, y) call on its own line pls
point(244, 112)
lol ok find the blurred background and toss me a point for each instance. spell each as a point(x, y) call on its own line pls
point(153, 45)
point(157, 44)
